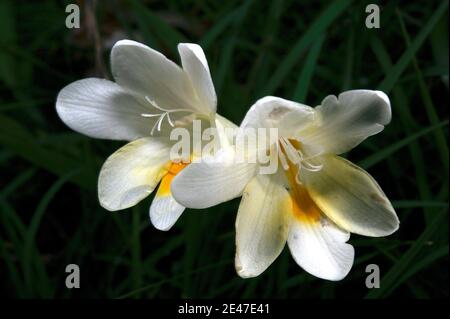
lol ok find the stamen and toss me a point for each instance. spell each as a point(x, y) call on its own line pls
point(291, 154)
point(156, 125)
point(283, 159)
point(149, 115)
point(154, 104)
point(311, 167)
point(160, 122)
point(169, 120)
point(297, 177)
point(165, 113)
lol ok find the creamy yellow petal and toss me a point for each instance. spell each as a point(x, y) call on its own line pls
point(273, 112)
point(262, 225)
point(316, 243)
point(351, 198)
point(215, 180)
point(132, 172)
point(345, 121)
point(165, 210)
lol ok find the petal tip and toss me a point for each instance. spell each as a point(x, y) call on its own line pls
point(387, 105)
point(241, 271)
point(125, 42)
point(106, 205)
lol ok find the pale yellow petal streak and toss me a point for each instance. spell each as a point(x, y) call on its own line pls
point(350, 197)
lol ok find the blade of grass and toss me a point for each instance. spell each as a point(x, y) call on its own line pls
point(393, 277)
point(7, 38)
point(384, 153)
point(427, 101)
point(302, 87)
point(25, 56)
point(135, 248)
point(326, 18)
point(219, 27)
point(17, 182)
point(151, 23)
point(16, 138)
point(227, 53)
point(423, 263)
point(259, 72)
point(13, 273)
point(407, 120)
point(349, 62)
point(417, 203)
point(29, 244)
point(394, 74)
point(176, 277)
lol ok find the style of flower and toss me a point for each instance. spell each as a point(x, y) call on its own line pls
point(315, 199)
point(150, 96)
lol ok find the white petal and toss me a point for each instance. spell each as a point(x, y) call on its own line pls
point(102, 109)
point(262, 225)
point(144, 70)
point(196, 66)
point(132, 173)
point(319, 247)
point(348, 120)
point(212, 181)
point(165, 211)
point(288, 116)
point(224, 122)
point(351, 198)
point(226, 130)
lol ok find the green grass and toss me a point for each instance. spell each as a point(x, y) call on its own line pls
point(301, 50)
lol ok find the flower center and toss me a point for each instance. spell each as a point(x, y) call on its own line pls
point(303, 206)
point(292, 157)
point(172, 170)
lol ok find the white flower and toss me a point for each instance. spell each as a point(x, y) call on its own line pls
point(315, 199)
point(151, 95)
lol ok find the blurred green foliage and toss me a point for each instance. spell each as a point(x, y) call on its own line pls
point(302, 50)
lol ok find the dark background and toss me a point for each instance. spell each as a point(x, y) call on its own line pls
point(300, 50)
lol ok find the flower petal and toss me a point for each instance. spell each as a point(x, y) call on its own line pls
point(262, 225)
point(132, 173)
point(319, 247)
point(214, 180)
point(196, 66)
point(102, 109)
point(226, 130)
point(288, 116)
point(165, 211)
point(351, 198)
point(148, 72)
point(348, 120)
point(224, 122)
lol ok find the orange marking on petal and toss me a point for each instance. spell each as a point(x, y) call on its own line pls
point(172, 170)
point(303, 206)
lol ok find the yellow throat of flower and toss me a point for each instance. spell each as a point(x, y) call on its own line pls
point(172, 170)
point(303, 206)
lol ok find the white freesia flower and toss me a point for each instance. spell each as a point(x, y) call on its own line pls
point(315, 199)
point(151, 95)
